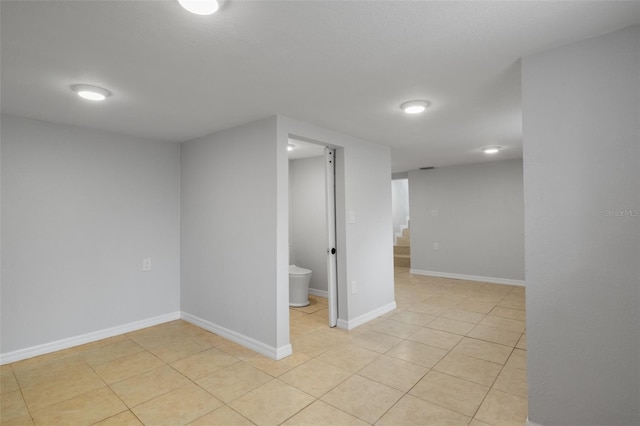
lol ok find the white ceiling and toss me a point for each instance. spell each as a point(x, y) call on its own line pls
point(344, 65)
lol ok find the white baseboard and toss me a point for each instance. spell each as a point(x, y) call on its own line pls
point(70, 342)
point(530, 423)
point(321, 293)
point(355, 322)
point(249, 342)
point(492, 280)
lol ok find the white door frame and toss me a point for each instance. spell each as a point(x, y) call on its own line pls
point(332, 271)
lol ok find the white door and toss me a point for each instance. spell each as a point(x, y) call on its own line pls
point(332, 277)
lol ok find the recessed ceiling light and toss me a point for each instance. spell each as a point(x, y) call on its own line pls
point(201, 7)
point(414, 107)
point(92, 93)
point(290, 147)
point(491, 149)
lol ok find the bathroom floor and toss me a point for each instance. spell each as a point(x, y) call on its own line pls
point(453, 353)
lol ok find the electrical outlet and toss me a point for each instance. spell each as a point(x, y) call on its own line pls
point(434, 213)
point(354, 287)
point(146, 264)
point(436, 246)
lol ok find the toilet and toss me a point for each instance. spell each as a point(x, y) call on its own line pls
point(298, 286)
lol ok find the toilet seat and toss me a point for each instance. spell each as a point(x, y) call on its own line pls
point(297, 271)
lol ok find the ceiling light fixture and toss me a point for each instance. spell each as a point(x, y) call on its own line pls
point(491, 149)
point(415, 107)
point(290, 147)
point(92, 93)
point(201, 7)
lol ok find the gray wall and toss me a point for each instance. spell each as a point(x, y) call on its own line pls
point(229, 230)
point(582, 195)
point(80, 210)
point(480, 222)
point(308, 218)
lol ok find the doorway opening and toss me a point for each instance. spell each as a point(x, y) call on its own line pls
point(312, 232)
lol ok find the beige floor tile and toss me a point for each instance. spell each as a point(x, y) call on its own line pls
point(518, 359)
point(495, 335)
point(474, 305)
point(395, 328)
point(62, 356)
point(503, 323)
point(128, 366)
point(30, 373)
point(8, 382)
point(462, 315)
point(471, 369)
point(451, 392)
point(179, 350)
point(512, 380)
point(99, 343)
point(321, 316)
point(143, 387)
point(110, 352)
point(522, 343)
point(18, 421)
point(382, 353)
point(320, 413)
point(76, 382)
point(236, 350)
point(234, 381)
point(315, 377)
point(12, 406)
point(155, 337)
point(412, 411)
point(271, 403)
point(437, 338)
point(84, 409)
point(223, 416)
point(513, 301)
point(208, 339)
point(279, 367)
point(503, 409)
point(451, 325)
point(178, 407)
point(375, 341)
point(428, 308)
point(475, 422)
point(417, 353)
point(394, 372)
point(483, 350)
point(126, 418)
point(414, 318)
point(514, 314)
point(303, 327)
point(311, 344)
point(204, 363)
point(349, 357)
point(363, 398)
point(312, 307)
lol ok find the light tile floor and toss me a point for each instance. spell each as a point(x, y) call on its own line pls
point(453, 353)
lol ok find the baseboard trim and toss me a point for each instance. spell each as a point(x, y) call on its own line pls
point(358, 321)
point(530, 423)
point(320, 293)
point(492, 280)
point(70, 342)
point(249, 342)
